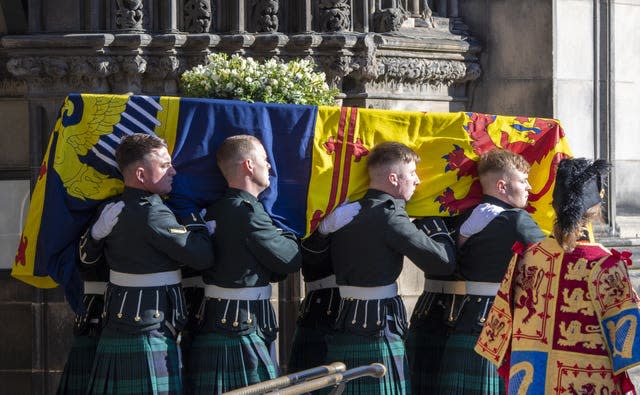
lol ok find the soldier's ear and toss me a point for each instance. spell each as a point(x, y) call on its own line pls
point(248, 165)
point(393, 179)
point(140, 174)
point(502, 186)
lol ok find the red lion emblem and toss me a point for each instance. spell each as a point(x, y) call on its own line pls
point(542, 137)
point(530, 284)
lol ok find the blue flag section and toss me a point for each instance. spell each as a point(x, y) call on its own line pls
point(286, 132)
point(79, 171)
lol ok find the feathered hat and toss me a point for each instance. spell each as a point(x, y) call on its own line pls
point(578, 188)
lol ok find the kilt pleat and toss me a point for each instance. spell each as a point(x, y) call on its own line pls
point(308, 349)
point(425, 343)
point(356, 350)
point(221, 363)
point(425, 351)
point(463, 371)
point(75, 376)
point(145, 363)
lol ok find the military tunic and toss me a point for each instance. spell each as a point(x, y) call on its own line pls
point(238, 323)
point(482, 260)
point(368, 253)
point(138, 349)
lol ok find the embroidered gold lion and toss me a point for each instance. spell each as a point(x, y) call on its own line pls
point(574, 301)
point(572, 334)
point(577, 270)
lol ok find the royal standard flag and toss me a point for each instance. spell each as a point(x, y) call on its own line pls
point(318, 157)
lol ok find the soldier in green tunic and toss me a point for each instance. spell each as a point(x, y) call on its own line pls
point(231, 348)
point(144, 246)
point(451, 312)
point(367, 256)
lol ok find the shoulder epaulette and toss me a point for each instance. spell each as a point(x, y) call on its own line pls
point(248, 204)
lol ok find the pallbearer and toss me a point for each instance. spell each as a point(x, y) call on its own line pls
point(144, 307)
point(367, 257)
point(238, 324)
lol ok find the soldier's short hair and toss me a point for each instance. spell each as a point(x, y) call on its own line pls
point(388, 154)
point(135, 148)
point(501, 161)
point(234, 150)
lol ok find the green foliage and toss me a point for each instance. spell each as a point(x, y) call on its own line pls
point(236, 77)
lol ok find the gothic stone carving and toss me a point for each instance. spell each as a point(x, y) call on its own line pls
point(336, 68)
point(354, 72)
point(415, 70)
point(162, 67)
point(57, 67)
point(335, 15)
point(389, 19)
point(84, 73)
point(352, 62)
point(198, 15)
point(129, 14)
point(265, 15)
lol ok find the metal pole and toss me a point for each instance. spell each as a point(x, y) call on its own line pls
point(610, 105)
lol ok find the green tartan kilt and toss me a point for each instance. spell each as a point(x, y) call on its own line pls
point(425, 343)
point(356, 350)
point(143, 363)
point(221, 363)
point(308, 350)
point(463, 371)
point(75, 376)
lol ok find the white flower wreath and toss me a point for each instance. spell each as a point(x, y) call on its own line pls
point(240, 78)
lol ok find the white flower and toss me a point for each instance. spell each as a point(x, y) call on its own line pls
point(236, 77)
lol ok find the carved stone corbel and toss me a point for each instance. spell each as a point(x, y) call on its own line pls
point(389, 19)
point(129, 15)
point(198, 16)
point(336, 68)
point(335, 15)
point(129, 79)
point(265, 15)
point(162, 67)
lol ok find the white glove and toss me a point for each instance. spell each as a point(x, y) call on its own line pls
point(211, 225)
point(479, 218)
point(107, 220)
point(342, 215)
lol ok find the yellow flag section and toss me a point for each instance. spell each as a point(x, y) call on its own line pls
point(449, 145)
point(23, 263)
point(77, 173)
